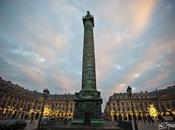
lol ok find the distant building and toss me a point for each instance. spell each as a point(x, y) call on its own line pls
point(119, 104)
point(17, 102)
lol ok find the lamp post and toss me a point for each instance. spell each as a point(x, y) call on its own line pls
point(129, 91)
point(157, 99)
point(67, 107)
point(45, 95)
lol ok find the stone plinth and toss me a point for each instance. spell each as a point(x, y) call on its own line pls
point(83, 128)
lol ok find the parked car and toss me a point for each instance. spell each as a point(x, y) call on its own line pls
point(166, 126)
point(3, 124)
point(47, 121)
point(13, 124)
point(51, 121)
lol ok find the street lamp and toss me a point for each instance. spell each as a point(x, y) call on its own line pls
point(66, 108)
point(129, 91)
point(157, 104)
point(45, 95)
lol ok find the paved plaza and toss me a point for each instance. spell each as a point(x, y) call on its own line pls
point(31, 126)
point(141, 125)
point(147, 126)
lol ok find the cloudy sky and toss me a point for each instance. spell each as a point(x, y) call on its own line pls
point(41, 44)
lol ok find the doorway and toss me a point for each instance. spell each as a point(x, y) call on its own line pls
point(87, 118)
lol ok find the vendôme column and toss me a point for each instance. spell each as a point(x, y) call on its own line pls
point(88, 70)
point(88, 101)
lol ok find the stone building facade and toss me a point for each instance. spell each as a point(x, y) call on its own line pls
point(119, 104)
point(18, 102)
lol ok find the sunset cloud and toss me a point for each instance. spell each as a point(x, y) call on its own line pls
point(142, 12)
point(149, 58)
point(34, 74)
